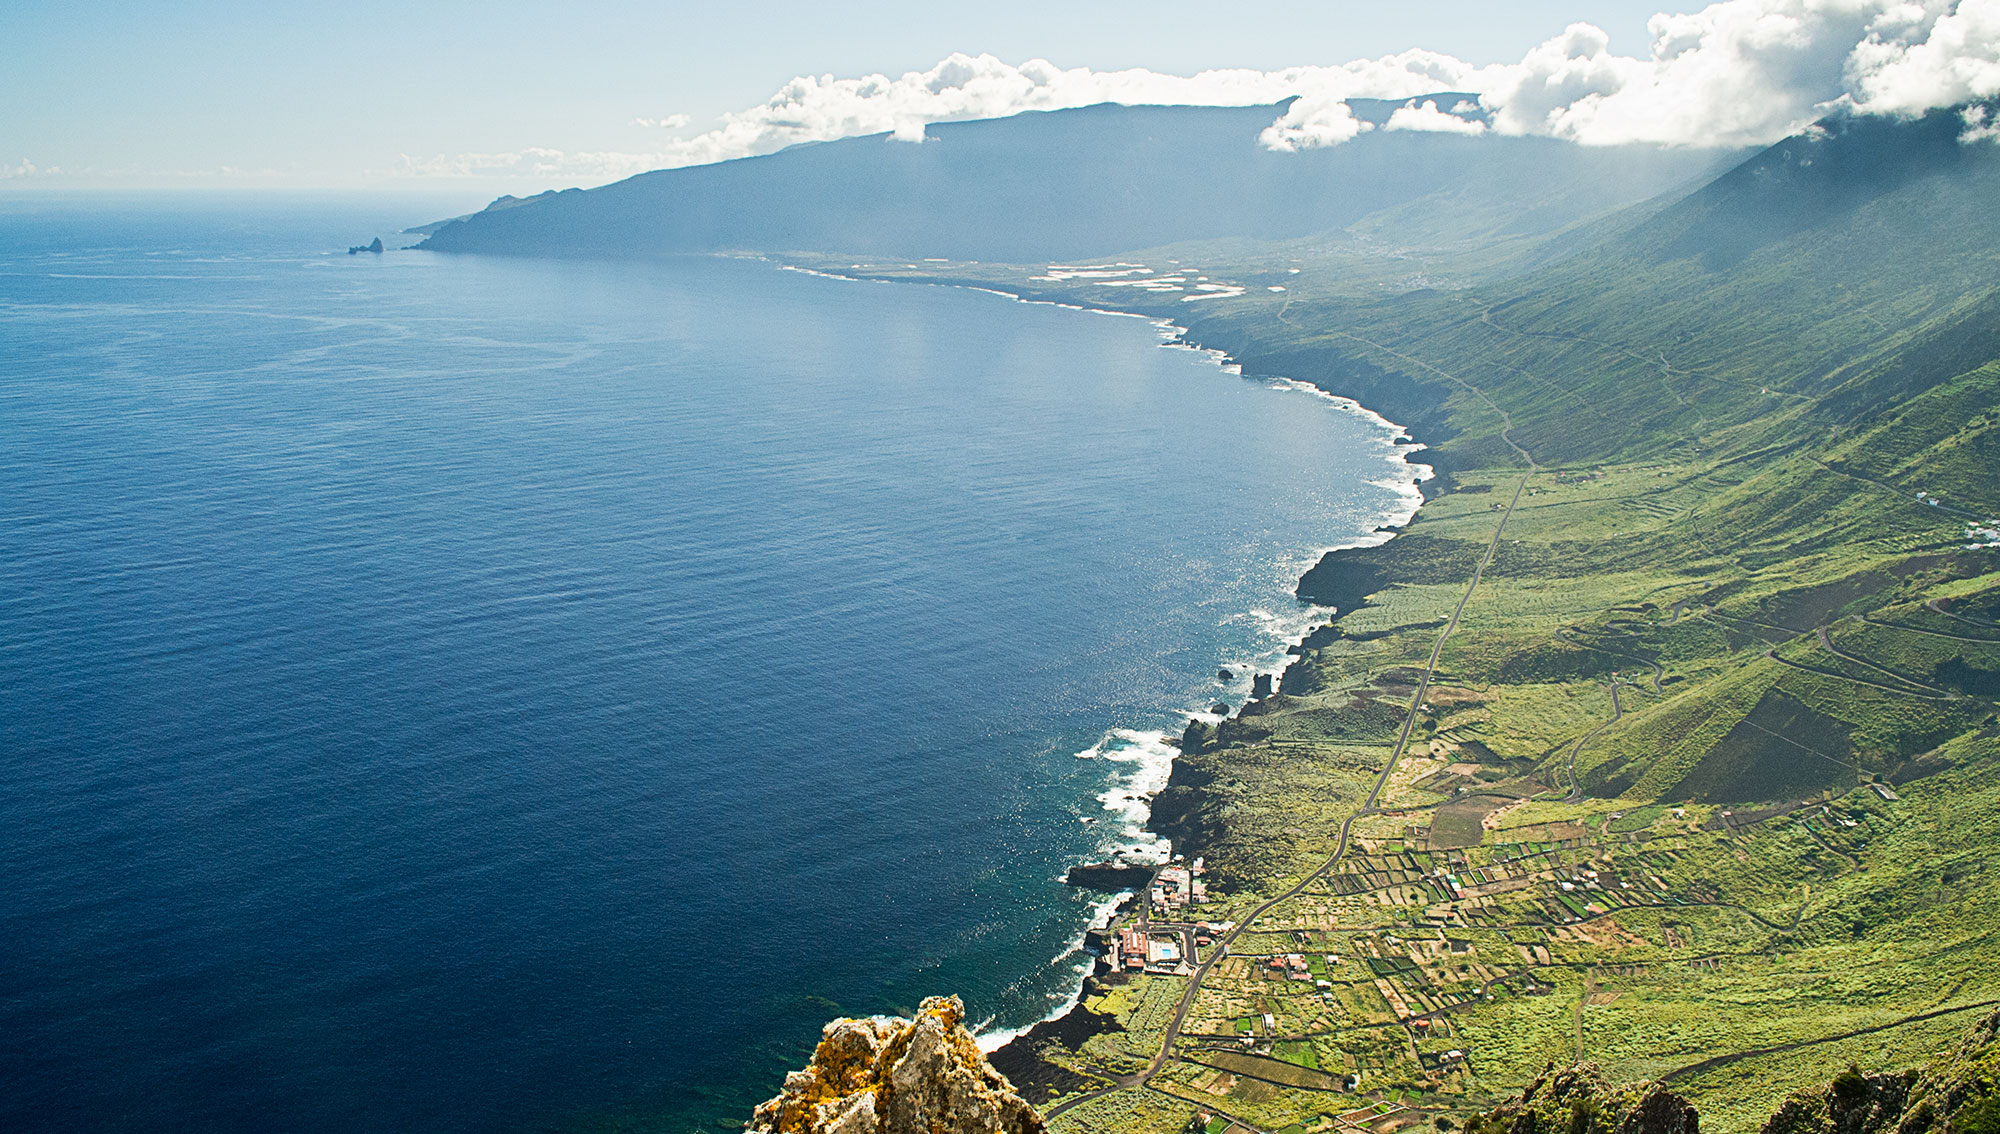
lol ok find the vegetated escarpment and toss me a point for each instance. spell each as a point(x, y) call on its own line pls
point(1668, 736)
point(1956, 1093)
point(1578, 1100)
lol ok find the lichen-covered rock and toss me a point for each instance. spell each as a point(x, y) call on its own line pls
point(889, 1076)
point(1958, 1092)
point(1578, 1100)
point(1852, 1104)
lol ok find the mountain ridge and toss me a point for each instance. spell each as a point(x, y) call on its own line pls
point(1666, 732)
point(1062, 184)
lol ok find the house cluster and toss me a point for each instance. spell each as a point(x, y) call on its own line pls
point(1443, 1060)
point(1291, 966)
point(1140, 950)
point(1178, 886)
point(1589, 880)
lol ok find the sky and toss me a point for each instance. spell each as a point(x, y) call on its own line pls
point(512, 96)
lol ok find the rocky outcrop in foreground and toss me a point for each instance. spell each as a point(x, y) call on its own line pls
point(1578, 1100)
point(893, 1076)
point(1958, 1092)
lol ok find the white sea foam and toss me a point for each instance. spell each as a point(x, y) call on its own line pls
point(1276, 632)
point(820, 274)
point(1150, 752)
point(1080, 963)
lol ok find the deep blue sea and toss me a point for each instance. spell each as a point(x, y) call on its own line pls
point(466, 694)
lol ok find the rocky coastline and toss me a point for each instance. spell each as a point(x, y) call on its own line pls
point(1342, 579)
point(1110, 877)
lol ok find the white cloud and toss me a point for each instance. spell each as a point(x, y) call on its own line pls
point(1311, 122)
point(536, 163)
point(819, 108)
point(1979, 126)
point(24, 169)
point(1899, 70)
point(670, 122)
point(1738, 72)
point(1734, 73)
point(1745, 72)
point(1430, 119)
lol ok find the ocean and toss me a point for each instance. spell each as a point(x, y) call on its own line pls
point(461, 693)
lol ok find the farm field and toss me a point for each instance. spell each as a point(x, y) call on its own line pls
point(1664, 736)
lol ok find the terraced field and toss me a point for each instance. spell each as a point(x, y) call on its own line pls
point(1665, 736)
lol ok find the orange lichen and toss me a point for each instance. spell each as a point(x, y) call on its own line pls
point(884, 1076)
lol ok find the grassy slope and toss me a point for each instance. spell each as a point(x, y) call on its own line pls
point(1718, 589)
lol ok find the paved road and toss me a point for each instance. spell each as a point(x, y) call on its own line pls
point(1369, 807)
point(1221, 947)
point(1569, 634)
point(1899, 690)
point(1826, 643)
point(1981, 623)
point(1930, 633)
point(1617, 711)
point(1725, 1060)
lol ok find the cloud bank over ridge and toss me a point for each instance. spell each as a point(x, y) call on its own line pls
point(1739, 72)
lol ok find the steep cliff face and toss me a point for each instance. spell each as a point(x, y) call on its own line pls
point(1578, 1100)
point(1958, 1092)
point(892, 1076)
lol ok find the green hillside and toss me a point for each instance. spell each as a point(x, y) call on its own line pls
point(1958, 1090)
point(1666, 734)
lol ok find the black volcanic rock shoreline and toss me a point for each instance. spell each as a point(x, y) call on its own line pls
point(1109, 877)
point(1038, 1080)
point(1341, 579)
point(1180, 813)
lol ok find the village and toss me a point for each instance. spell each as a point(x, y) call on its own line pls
point(1153, 941)
point(1401, 978)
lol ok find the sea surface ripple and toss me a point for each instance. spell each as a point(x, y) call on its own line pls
point(463, 694)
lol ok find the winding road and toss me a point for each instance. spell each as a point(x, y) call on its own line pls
point(1221, 948)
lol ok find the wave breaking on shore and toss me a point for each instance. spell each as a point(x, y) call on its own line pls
point(1150, 753)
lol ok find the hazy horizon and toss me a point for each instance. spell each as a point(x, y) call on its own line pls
point(506, 99)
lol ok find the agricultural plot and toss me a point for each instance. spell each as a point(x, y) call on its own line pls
point(1708, 766)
